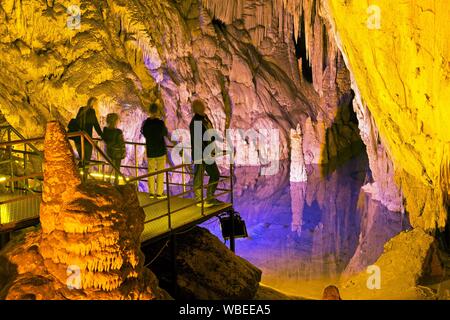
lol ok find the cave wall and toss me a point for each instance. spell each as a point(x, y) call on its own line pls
point(398, 54)
point(248, 68)
point(317, 68)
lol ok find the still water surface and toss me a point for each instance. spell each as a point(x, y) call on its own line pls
point(304, 236)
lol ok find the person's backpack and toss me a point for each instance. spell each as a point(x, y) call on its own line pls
point(73, 125)
point(116, 148)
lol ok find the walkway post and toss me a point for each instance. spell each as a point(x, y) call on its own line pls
point(201, 197)
point(25, 166)
point(11, 166)
point(168, 201)
point(136, 161)
point(82, 159)
point(183, 178)
point(232, 244)
point(173, 247)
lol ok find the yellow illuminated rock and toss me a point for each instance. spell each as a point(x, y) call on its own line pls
point(88, 246)
point(398, 54)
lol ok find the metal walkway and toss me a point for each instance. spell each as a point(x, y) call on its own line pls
point(21, 186)
point(185, 214)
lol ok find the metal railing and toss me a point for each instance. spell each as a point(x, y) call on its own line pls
point(20, 189)
point(16, 158)
point(19, 150)
point(187, 189)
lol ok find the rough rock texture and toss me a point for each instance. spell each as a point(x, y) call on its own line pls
point(89, 243)
point(279, 29)
point(331, 293)
point(298, 167)
point(206, 268)
point(407, 260)
point(382, 186)
point(399, 54)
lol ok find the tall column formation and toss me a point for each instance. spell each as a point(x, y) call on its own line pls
point(89, 243)
point(61, 175)
point(298, 167)
point(85, 228)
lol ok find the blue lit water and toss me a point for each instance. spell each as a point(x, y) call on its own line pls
point(303, 236)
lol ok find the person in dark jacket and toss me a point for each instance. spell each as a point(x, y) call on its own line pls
point(201, 120)
point(115, 143)
point(154, 130)
point(87, 120)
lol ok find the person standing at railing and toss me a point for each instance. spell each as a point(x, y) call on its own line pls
point(86, 121)
point(154, 130)
point(201, 121)
point(115, 143)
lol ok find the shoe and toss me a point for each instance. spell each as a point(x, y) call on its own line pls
point(161, 196)
point(151, 195)
point(215, 202)
point(206, 204)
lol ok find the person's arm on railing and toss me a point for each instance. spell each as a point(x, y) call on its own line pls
point(96, 124)
point(121, 143)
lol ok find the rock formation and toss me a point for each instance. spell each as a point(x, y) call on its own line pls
point(298, 167)
point(403, 86)
point(398, 56)
point(88, 246)
point(128, 54)
point(206, 268)
point(408, 259)
point(331, 293)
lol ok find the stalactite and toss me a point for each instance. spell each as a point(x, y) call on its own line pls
point(290, 16)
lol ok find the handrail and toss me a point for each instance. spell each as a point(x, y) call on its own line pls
point(131, 180)
point(25, 141)
point(183, 169)
point(96, 147)
point(17, 133)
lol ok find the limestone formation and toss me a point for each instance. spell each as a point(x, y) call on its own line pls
point(408, 259)
point(129, 54)
point(298, 167)
point(398, 56)
point(331, 293)
point(206, 268)
point(401, 87)
point(88, 246)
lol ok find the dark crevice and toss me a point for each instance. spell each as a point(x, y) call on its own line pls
point(325, 48)
point(301, 53)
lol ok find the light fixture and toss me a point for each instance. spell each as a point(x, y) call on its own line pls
point(226, 225)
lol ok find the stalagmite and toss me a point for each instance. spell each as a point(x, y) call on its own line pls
point(90, 235)
point(298, 167)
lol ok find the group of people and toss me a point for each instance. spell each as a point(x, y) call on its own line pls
point(156, 135)
point(86, 120)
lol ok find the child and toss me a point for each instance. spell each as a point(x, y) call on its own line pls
point(115, 143)
point(154, 130)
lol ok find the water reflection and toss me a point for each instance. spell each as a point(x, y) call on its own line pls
point(304, 236)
